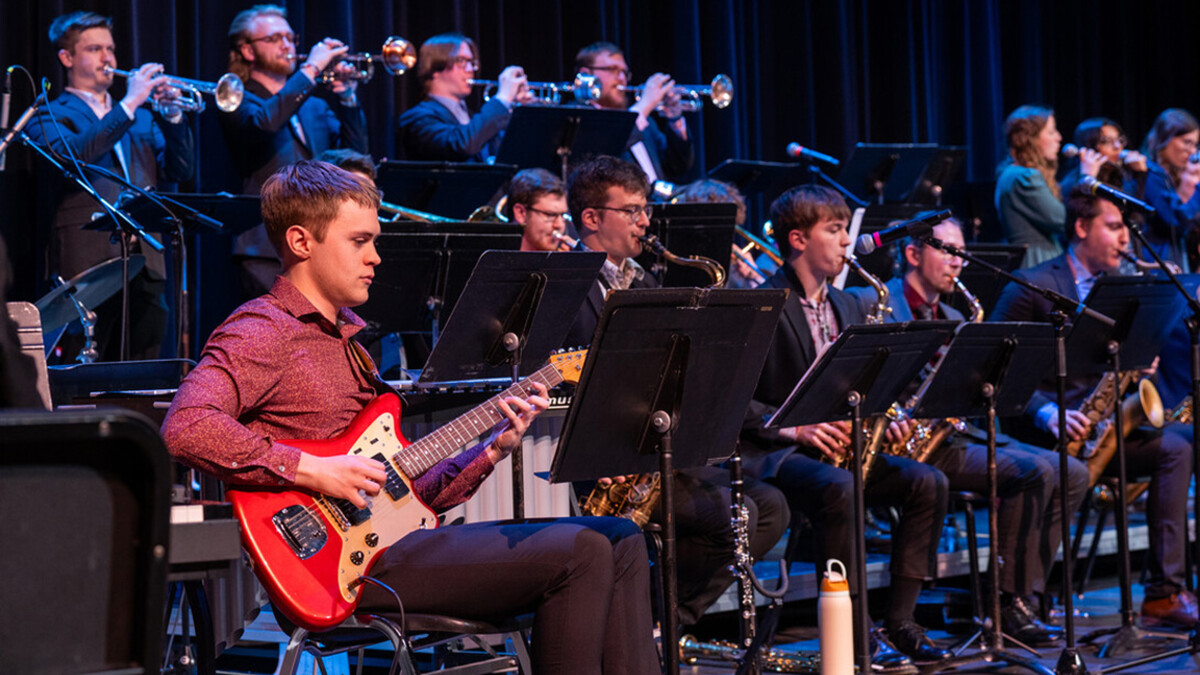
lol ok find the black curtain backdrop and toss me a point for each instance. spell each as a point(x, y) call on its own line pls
point(825, 74)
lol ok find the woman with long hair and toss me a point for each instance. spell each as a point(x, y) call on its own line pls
point(1028, 197)
point(1122, 168)
point(1174, 172)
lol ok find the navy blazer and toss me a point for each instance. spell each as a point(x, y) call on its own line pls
point(429, 132)
point(261, 138)
point(671, 155)
point(792, 352)
point(584, 327)
point(1017, 303)
point(155, 152)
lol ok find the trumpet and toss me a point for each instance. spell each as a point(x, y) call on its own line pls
point(585, 88)
point(565, 241)
point(1145, 266)
point(397, 57)
point(227, 91)
point(720, 91)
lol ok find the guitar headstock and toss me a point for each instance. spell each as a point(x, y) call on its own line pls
point(569, 364)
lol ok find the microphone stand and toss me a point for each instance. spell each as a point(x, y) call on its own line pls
point(819, 175)
point(128, 225)
point(1069, 662)
point(176, 212)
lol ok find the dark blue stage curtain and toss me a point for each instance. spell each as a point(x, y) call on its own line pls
point(827, 74)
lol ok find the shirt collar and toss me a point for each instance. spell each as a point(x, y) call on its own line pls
point(455, 106)
point(296, 304)
point(618, 277)
point(916, 301)
point(92, 99)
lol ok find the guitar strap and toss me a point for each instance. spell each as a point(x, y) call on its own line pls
point(366, 365)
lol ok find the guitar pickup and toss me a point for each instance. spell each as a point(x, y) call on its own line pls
point(395, 487)
point(302, 529)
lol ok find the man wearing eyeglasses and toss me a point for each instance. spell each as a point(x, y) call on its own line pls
point(280, 121)
point(440, 128)
point(663, 153)
point(539, 205)
point(607, 198)
point(1027, 476)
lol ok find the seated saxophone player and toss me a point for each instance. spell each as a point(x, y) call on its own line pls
point(607, 197)
point(538, 202)
point(440, 128)
point(811, 227)
point(1027, 476)
point(1098, 234)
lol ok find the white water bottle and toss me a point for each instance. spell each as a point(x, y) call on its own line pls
point(835, 621)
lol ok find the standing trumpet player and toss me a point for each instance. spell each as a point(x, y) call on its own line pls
point(440, 128)
point(122, 136)
point(280, 121)
point(1098, 235)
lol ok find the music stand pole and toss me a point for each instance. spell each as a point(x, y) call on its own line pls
point(862, 626)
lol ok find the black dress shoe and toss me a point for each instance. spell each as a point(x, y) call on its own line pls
point(885, 659)
point(1018, 620)
point(910, 638)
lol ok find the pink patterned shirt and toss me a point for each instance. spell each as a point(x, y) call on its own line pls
point(278, 369)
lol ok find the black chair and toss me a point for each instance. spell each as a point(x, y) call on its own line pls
point(86, 498)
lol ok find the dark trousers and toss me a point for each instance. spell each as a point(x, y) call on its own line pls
point(1030, 531)
point(705, 537)
point(586, 580)
point(825, 494)
point(1166, 457)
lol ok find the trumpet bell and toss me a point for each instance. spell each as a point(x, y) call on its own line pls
point(229, 92)
point(722, 91)
point(398, 55)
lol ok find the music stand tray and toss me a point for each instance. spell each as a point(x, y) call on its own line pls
point(546, 137)
point(940, 172)
point(1143, 310)
point(450, 189)
point(531, 295)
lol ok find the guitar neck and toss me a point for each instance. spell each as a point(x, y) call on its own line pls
point(422, 455)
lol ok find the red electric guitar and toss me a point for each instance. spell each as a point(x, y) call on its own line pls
point(309, 550)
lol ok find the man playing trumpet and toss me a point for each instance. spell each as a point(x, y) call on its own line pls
point(440, 128)
point(280, 121)
point(143, 147)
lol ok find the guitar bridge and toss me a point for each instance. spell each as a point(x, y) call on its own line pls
point(302, 529)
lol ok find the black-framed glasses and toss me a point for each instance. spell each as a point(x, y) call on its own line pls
point(615, 70)
point(551, 215)
point(275, 38)
point(631, 212)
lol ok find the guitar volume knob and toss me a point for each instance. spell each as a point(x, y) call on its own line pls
point(372, 539)
point(357, 557)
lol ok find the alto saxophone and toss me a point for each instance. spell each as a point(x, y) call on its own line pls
point(1098, 447)
point(712, 268)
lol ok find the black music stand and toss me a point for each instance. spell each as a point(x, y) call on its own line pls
point(425, 267)
point(547, 137)
point(450, 189)
point(752, 178)
point(940, 172)
point(1142, 309)
point(848, 381)
point(885, 172)
point(990, 369)
point(515, 309)
point(690, 229)
point(664, 371)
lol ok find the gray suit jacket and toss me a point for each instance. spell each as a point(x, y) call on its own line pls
point(155, 151)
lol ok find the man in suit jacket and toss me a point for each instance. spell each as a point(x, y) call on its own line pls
point(440, 128)
point(1098, 235)
point(663, 154)
point(280, 121)
point(1027, 476)
point(811, 226)
point(607, 199)
point(124, 138)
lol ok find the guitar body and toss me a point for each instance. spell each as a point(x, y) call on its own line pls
point(308, 550)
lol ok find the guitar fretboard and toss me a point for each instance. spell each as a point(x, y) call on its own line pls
point(419, 457)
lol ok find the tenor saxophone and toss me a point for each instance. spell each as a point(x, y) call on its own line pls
point(633, 499)
point(712, 268)
point(1097, 448)
point(693, 651)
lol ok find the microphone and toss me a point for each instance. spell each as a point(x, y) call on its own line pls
point(800, 152)
point(5, 107)
point(923, 223)
point(1119, 197)
point(1071, 151)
